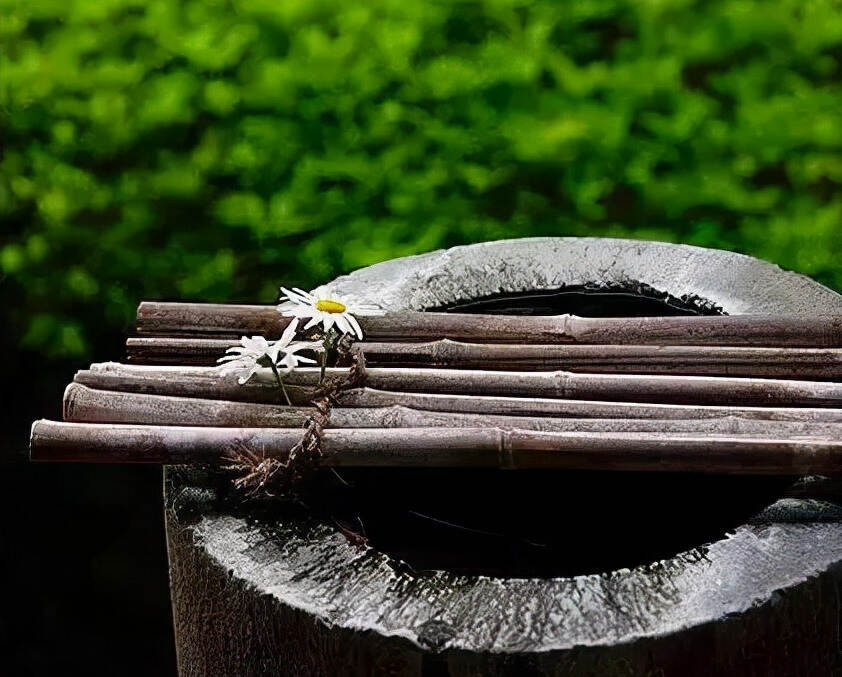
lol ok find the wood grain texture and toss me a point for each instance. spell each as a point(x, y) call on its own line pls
point(799, 363)
point(208, 382)
point(442, 447)
point(442, 624)
point(536, 406)
point(86, 405)
point(292, 595)
point(217, 320)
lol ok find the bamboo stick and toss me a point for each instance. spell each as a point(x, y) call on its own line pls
point(86, 405)
point(176, 350)
point(232, 321)
point(212, 319)
point(441, 447)
point(801, 363)
point(203, 382)
point(207, 382)
point(241, 412)
point(533, 406)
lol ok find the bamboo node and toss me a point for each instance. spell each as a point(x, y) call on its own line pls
point(567, 329)
point(506, 458)
point(564, 384)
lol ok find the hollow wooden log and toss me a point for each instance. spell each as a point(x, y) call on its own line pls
point(233, 321)
point(440, 447)
point(85, 405)
point(669, 592)
point(208, 382)
point(800, 363)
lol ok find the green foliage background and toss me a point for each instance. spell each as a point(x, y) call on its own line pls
point(212, 149)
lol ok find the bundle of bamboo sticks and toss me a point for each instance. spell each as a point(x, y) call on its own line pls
point(727, 394)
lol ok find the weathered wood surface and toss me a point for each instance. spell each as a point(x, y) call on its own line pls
point(442, 447)
point(208, 382)
point(233, 321)
point(535, 406)
point(800, 363)
point(83, 403)
point(760, 601)
point(441, 624)
point(86, 405)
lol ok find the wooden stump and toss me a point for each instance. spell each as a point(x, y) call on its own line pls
point(518, 574)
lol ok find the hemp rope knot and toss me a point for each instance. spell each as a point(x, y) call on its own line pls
point(267, 474)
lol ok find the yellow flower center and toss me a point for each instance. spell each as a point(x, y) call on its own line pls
point(330, 306)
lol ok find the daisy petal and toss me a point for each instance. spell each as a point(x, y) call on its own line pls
point(288, 361)
point(292, 296)
point(289, 333)
point(339, 321)
point(293, 310)
point(251, 372)
point(352, 321)
point(307, 296)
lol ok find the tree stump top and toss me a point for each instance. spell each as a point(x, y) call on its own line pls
point(303, 581)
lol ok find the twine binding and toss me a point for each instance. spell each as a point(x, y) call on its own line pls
point(259, 474)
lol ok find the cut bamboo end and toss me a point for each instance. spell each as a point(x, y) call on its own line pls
point(441, 447)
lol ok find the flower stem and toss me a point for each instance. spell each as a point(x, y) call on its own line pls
point(327, 346)
point(280, 382)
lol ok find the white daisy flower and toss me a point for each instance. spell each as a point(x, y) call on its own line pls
point(255, 352)
point(324, 310)
point(290, 358)
point(245, 358)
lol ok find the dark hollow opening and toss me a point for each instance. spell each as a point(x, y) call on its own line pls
point(542, 523)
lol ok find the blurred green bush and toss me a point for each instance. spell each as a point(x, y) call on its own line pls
point(213, 149)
